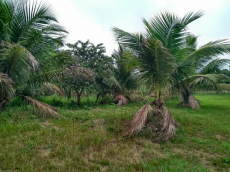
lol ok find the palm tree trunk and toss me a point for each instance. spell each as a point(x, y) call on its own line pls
point(165, 127)
point(189, 100)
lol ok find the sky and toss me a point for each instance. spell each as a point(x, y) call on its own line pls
point(94, 19)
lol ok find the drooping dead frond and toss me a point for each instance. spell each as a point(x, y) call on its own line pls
point(193, 102)
point(122, 100)
point(167, 125)
point(53, 88)
point(139, 119)
point(43, 109)
point(6, 87)
point(152, 95)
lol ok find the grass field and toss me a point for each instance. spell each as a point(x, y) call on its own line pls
point(90, 138)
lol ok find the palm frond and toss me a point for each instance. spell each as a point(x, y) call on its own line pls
point(53, 88)
point(214, 66)
point(167, 125)
point(210, 79)
point(6, 87)
point(17, 62)
point(122, 100)
point(42, 109)
point(139, 119)
point(209, 51)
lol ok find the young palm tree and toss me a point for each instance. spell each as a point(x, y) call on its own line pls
point(196, 66)
point(153, 51)
point(123, 82)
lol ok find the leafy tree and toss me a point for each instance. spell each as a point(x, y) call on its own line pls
point(76, 84)
point(92, 57)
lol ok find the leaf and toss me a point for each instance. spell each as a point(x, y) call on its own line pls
point(139, 119)
point(6, 87)
point(43, 109)
point(168, 125)
point(54, 88)
point(122, 100)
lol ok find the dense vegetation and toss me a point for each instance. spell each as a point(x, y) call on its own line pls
point(78, 85)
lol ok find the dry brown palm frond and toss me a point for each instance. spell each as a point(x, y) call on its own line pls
point(122, 100)
point(53, 88)
point(6, 87)
point(167, 125)
point(193, 102)
point(139, 119)
point(43, 109)
point(152, 95)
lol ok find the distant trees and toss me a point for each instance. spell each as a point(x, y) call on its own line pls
point(92, 57)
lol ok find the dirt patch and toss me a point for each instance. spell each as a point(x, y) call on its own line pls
point(44, 152)
point(97, 110)
point(46, 124)
point(57, 162)
point(203, 156)
point(219, 137)
point(98, 123)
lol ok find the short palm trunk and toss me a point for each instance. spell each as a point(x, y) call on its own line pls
point(189, 100)
point(165, 124)
point(159, 121)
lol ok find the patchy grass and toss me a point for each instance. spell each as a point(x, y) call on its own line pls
point(90, 139)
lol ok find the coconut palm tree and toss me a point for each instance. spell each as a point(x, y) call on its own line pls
point(196, 66)
point(153, 51)
point(122, 81)
point(27, 29)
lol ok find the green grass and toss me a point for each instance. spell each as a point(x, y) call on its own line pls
point(91, 138)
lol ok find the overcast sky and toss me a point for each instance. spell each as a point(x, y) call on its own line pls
point(93, 19)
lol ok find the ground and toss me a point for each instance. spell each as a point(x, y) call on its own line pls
point(91, 138)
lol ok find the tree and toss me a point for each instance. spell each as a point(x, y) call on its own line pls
point(155, 51)
point(76, 84)
point(26, 29)
point(198, 66)
point(123, 81)
point(90, 56)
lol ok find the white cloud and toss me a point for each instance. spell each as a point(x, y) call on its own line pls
point(93, 19)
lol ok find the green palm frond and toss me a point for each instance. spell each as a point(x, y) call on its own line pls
point(209, 51)
point(53, 88)
point(170, 29)
point(24, 16)
point(17, 62)
point(208, 79)
point(214, 66)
